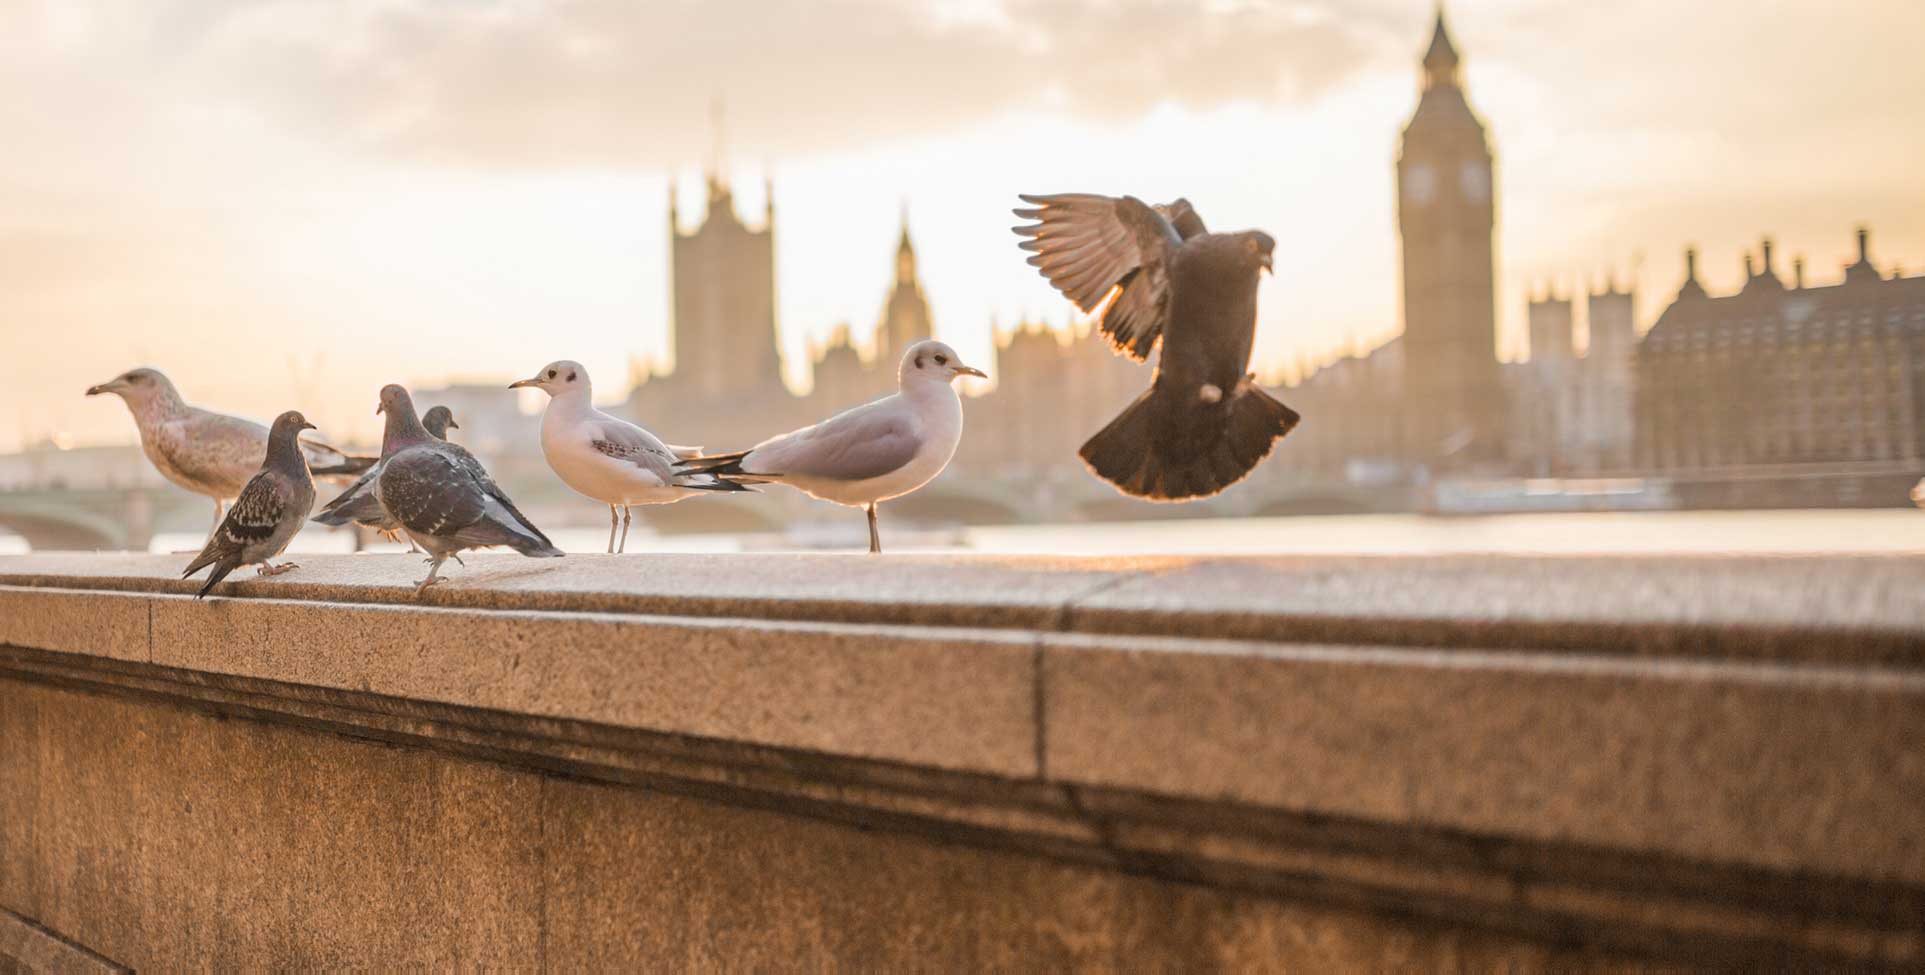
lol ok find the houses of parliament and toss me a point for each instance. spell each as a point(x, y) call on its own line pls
point(1778, 375)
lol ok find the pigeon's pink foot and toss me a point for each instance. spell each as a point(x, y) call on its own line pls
point(274, 570)
point(422, 586)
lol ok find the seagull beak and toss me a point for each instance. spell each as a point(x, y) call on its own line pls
point(106, 387)
point(519, 383)
point(971, 371)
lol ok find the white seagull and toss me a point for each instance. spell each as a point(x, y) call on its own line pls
point(203, 451)
point(608, 458)
point(865, 456)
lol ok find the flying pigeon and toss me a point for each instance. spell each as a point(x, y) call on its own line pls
point(206, 452)
point(441, 496)
point(607, 458)
point(865, 456)
point(1204, 423)
point(358, 504)
point(267, 513)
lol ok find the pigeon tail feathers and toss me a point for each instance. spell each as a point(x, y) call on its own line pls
point(1130, 454)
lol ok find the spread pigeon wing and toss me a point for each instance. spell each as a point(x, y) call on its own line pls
point(1089, 245)
point(1183, 218)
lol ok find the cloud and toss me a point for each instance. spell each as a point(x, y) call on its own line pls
point(602, 82)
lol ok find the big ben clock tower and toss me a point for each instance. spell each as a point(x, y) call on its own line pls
point(1454, 401)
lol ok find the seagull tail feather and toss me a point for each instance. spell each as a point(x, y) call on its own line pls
point(717, 464)
point(1153, 450)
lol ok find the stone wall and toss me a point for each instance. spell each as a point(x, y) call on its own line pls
point(688, 763)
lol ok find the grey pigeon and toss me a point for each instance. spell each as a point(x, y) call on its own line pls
point(865, 456)
point(358, 504)
point(1204, 423)
point(441, 496)
point(206, 452)
point(268, 511)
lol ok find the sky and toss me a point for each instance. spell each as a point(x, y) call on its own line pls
point(287, 203)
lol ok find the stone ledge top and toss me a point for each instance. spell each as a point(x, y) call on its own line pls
point(1819, 609)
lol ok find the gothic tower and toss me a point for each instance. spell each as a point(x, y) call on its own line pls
point(1446, 206)
point(905, 318)
point(724, 279)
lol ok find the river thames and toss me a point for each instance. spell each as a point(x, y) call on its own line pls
point(1867, 531)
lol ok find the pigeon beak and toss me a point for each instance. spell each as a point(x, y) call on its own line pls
point(379, 408)
point(971, 371)
point(1266, 264)
point(452, 425)
point(519, 383)
point(309, 426)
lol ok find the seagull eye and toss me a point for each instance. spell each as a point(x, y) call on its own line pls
point(551, 373)
point(942, 360)
point(571, 377)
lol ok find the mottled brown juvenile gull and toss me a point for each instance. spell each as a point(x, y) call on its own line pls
point(203, 451)
point(608, 458)
point(441, 496)
point(875, 452)
point(268, 512)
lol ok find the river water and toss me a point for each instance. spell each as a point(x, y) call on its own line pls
point(1859, 531)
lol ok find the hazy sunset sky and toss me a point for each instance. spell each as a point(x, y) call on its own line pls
point(423, 190)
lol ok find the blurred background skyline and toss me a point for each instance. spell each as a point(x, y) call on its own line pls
point(292, 203)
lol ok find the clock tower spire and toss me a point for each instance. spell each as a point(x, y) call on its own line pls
point(1454, 400)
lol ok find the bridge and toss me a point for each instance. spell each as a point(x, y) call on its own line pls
point(70, 519)
point(80, 519)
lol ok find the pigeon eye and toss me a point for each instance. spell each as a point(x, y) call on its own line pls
point(551, 373)
point(942, 360)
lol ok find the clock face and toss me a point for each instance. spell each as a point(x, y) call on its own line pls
point(1476, 180)
point(1420, 184)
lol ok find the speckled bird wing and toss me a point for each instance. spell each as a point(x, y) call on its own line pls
point(430, 492)
point(869, 441)
point(217, 451)
point(1089, 246)
point(633, 445)
point(442, 491)
point(256, 515)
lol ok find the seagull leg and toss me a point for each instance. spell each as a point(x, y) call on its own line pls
point(875, 538)
point(270, 569)
point(434, 569)
point(219, 511)
point(611, 529)
point(626, 515)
